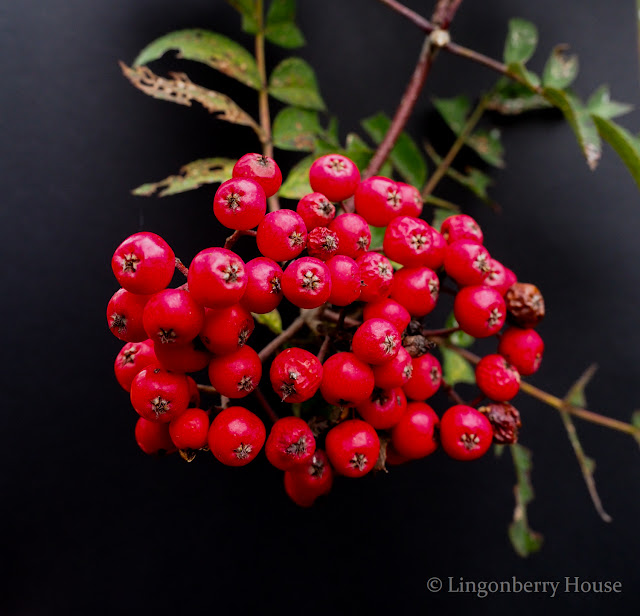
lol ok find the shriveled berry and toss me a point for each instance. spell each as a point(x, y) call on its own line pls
point(144, 263)
point(133, 357)
point(322, 243)
point(345, 280)
point(124, 315)
point(505, 421)
point(394, 373)
point(479, 310)
point(407, 240)
point(467, 262)
point(465, 434)
point(390, 310)
point(290, 444)
point(376, 275)
point(426, 377)
point(346, 380)
point(411, 200)
point(306, 282)
point(153, 437)
point(378, 200)
point(282, 235)
point(497, 378)
point(236, 436)
point(354, 235)
point(523, 348)
point(225, 330)
point(217, 278)
point(416, 288)
point(303, 484)
point(525, 305)
point(158, 395)
point(264, 285)
point(262, 169)
point(295, 375)
point(376, 341)
point(384, 408)
point(172, 317)
point(414, 435)
point(240, 203)
point(316, 210)
point(461, 227)
point(190, 357)
point(236, 374)
point(353, 447)
point(335, 176)
point(190, 430)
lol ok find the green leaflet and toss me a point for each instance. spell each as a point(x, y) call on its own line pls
point(294, 82)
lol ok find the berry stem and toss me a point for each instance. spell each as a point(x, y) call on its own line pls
point(322, 353)
point(440, 332)
point(335, 317)
point(236, 235)
point(439, 173)
point(264, 403)
point(180, 266)
point(452, 393)
point(441, 203)
point(288, 333)
point(207, 389)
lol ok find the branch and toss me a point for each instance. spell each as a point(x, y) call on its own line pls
point(180, 266)
point(264, 403)
point(235, 236)
point(288, 333)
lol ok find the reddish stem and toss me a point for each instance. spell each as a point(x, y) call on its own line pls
point(264, 403)
point(181, 268)
point(235, 236)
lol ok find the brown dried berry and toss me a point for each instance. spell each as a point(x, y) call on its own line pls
point(416, 346)
point(525, 304)
point(505, 420)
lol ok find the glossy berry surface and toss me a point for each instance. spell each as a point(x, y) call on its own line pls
point(153, 437)
point(262, 169)
point(290, 444)
point(158, 395)
point(305, 483)
point(225, 330)
point(322, 243)
point(236, 436)
point(346, 380)
point(407, 240)
point(190, 430)
point(523, 348)
point(479, 310)
point(190, 357)
point(376, 341)
point(465, 433)
point(411, 200)
point(394, 373)
point(282, 235)
point(240, 203)
point(376, 275)
point(172, 317)
point(467, 262)
point(353, 447)
point(345, 280)
point(461, 227)
point(124, 315)
point(354, 235)
point(144, 263)
point(378, 200)
point(335, 176)
point(264, 285)
point(236, 374)
point(497, 378)
point(499, 277)
point(295, 375)
point(316, 210)
point(384, 408)
point(133, 357)
point(426, 377)
point(390, 310)
point(414, 435)
point(417, 289)
point(217, 278)
point(434, 259)
point(306, 282)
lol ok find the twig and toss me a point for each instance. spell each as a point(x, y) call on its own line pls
point(288, 333)
point(236, 235)
point(322, 353)
point(335, 317)
point(264, 403)
point(452, 393)
point(181, 268)
point(440, 332)
point(207, 389)
point(442, 203)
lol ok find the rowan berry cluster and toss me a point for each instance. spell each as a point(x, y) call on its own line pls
point(362, 396)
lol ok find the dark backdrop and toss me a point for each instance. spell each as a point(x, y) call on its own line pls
point(91, 525)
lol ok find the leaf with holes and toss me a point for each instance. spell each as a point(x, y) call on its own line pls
point(191, 176)
point(405, 156)
point(297, 184)
point(561, 69)
point(626, 145)
point(272, 320)
point(487, 145)
point(296, 129)
point(456, 369)
point(280, 27)
point(601, 105)
point(512, 98)
point(209, 48)
point(521, 42)
point(294, 82)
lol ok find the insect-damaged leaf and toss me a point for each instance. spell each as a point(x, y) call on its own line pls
point(294, 82)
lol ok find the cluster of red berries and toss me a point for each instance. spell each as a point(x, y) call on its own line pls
point(377, 388)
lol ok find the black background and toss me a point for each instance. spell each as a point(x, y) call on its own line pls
point(91, 525)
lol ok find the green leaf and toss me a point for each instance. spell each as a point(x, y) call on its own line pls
point(331, 134)
point(297, 184)
point(626, 145)
point(405, 156)
point(458, 338)
point(296, 129)
point(212, 49)
point(191, 176)
point(439, 216)
point(280, 27)
point(561, 69)
point(249, 12)
point(454, 111)
point(377, 235)
point(601, 105)
point(456, 369)
point(580, 121)
point(181, 90)
point(272, 320)
point(487, 146)
point(524, 540)
point(358, 150)
point(522, 39)
point(293, 81)
point(512, 98)
point(530, 78)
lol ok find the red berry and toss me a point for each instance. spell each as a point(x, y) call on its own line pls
point(236, 436)
point(194, 393)
point(496, 378)
point(225, 330)
point(354, 235)
point(295, 375)
point(190, 430)
point(378, 200)
point(461, 227)
point(467, 262)
point(306, 482)
point(411, 200)
point(434, 259)
point(239, 203)
point(172, 317)
point(133, 357)
point(316, 210)
point(390, 310)
point(190, 357)
point(335, 176)
point(158, 395)
point(414, 435)
point(465, 434)
point(345, 280)
point(376, 274)
point(479, 310)
point(144, 263)
point(290, 443)
point(264, 290)
point(384, 408)
point(500, 277)
point(262, 169)
point(407, 240)
point(416, 288)
point(322, 243)
point(236, 374)
point(153, 437)
point(426, 377)
point(306, 282)
point(217, 278)
point(376, 341)
point(282, 235)
point(394, 373)
point(523, 348)
point(353, 447)
point(346, 380)
point(124, 315)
